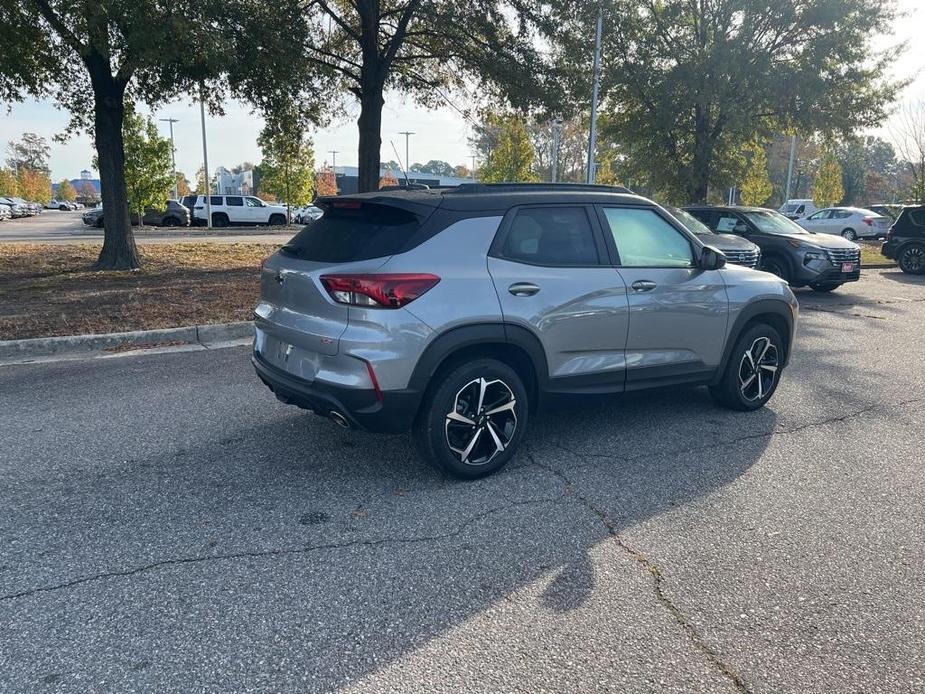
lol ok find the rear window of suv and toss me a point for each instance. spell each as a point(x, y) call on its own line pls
point(350, 231)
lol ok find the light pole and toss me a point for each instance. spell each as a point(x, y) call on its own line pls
point(407, 134)
point(173, 155)
point(556, 131)
point(793, 150)
point(472, 171)
point(592, 139)
point(205, 160)
point(333, 153)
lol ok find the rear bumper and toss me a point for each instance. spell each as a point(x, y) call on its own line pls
point(888, 250)
point(361, 407)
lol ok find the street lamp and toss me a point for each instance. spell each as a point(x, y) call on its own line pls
point(333, 153)
point(173, 155)
point(407, 135)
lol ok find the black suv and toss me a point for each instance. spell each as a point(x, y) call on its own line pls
point(905, 241)
point(822, 262)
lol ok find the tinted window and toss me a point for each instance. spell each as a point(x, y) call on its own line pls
point(350, 231)
point(234, 201)
point(690, 222)
point(644, 239)
point(726, 222)
point(917, 217)
point(551, 236)
point(253, 202)
point(215, 199)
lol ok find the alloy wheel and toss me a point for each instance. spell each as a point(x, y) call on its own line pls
point(849, 234)
point(913, 259)
point(758, 369)
point(482, 421)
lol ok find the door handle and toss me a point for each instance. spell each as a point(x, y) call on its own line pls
point(643, 286)
point(523, 289)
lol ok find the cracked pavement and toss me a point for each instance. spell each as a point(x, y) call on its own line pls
point(167, 526)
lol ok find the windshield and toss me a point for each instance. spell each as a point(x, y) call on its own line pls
point(693, 224)
point(773, 223)
point(791, 207)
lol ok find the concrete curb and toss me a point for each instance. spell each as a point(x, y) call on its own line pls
point(204, 336)
point(877, 266)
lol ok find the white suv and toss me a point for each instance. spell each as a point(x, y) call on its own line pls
point(238, 209)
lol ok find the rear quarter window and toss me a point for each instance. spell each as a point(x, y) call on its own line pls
point(361, 232)
point(916, 217)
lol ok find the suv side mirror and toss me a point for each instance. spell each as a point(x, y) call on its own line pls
point(711, 259)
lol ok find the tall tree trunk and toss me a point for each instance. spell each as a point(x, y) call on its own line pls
point(370, 130)
point(698, 183)
point(119, 249)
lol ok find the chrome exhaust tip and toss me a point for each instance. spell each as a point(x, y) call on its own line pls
point(339, 419)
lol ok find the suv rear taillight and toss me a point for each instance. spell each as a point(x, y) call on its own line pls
point(869, 221)
point(889, 233)
point(378, 291)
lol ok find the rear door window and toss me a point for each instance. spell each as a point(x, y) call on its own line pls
point(351, 231)
point(215, 200)
point(234, 201)
point(550, 236)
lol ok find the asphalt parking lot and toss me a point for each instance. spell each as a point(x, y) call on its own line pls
point(54, 226)
point(167, 526)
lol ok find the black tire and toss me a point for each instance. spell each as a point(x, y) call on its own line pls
point(456, 391)
point(737, 390)
point(277, 220)
point(911, 259)
point(824, 287)
point(219, 219)
point(776, 266)
point(170, 222)
point(849, 234)
point(64, 208)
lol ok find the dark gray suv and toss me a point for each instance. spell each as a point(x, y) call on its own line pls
point(822, 262)
point(457, 313)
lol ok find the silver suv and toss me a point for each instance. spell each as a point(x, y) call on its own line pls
point(457, 313)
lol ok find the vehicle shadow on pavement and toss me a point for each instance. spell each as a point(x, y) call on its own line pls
point(292, 547)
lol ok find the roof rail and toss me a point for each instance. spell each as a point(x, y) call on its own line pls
point(472, 188)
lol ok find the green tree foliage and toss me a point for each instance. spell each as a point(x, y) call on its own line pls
point(148, 168)
point(288, 166)
point(66, 191)
point(510, 159)
point(9, 186)
point(756, 187)
point(422, 48)
point(96, 58)
point(29, 152)
point(689, 84)
point(827, 188)
point(434, 167)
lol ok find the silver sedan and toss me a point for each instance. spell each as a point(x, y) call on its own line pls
point(850, 222)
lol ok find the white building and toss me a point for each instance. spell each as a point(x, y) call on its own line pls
point(228, 183)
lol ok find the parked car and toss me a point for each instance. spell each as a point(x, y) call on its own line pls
point(57, 205)
point(850, 222)
point(905, 241)
point(737, 249)
point(6, 211)
point(886, 209)
point(458, 313)
point(230, 210)
point(173, 215)
point(798, 208)
point(17, 209)
point(800, 257)
point(304, 215)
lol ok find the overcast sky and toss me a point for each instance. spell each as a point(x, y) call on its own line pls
point(439, 134)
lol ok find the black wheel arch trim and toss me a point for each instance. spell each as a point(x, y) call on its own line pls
point(747, 314)
point(455, 339)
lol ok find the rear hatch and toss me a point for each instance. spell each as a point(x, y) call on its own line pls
point(353, 236)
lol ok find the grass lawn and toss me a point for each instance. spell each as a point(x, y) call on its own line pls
point(50, 289)
point(870, 253)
